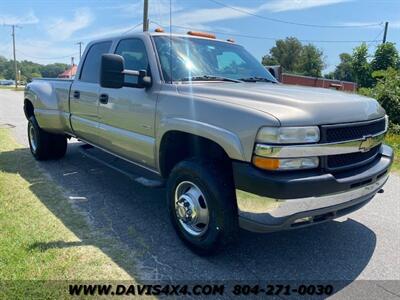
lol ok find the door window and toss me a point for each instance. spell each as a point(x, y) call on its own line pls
point(134, 53)
point(91, 66)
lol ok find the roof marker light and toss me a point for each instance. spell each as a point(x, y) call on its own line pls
point(202, 34)
point(159, 29)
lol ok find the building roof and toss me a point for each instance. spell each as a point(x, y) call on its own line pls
point(69, 73)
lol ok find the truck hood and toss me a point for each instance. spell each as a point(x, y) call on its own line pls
point(291, 105)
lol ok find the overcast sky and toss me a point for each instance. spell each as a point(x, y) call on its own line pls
point(51, 29)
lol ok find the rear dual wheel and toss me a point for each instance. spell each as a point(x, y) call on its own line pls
point(44, 145)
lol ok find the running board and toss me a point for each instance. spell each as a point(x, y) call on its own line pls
point(134, 172)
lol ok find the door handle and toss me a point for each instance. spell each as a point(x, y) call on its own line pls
point(103, 98)
point(77, 94)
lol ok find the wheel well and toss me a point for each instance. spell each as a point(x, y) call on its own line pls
point(28, 108)
point(176, 146)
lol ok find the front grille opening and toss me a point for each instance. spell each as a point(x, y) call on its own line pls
point(347, 160)
point(354, 131)
point(358, 184)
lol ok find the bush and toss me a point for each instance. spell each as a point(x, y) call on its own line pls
point(387, 92)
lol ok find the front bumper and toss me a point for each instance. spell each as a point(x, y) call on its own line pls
point(270, 201)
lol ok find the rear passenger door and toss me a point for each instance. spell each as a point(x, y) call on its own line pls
point(126, 120)
point(84, 96)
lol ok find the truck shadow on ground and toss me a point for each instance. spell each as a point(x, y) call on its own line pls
point(136, 216)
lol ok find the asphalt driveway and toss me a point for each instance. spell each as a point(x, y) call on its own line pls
point(364, 245)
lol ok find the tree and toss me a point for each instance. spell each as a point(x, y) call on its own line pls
point(268, 60)
point(361, 67)
point(29, 69)
point(53, 70)
point(344, 70)
point(286, 53)
point(294, 57)
point(387, 92)
point(311, 62)
point(386, 56)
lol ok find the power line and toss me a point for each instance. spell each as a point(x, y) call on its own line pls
point(293, 23)
point(132, 28)
point(376, 40)
point(272, 38)
point(47, 58)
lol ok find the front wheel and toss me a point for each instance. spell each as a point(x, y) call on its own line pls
point(44, 145)
point(202, 206)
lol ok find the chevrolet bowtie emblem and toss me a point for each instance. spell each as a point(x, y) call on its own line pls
point(367, 143)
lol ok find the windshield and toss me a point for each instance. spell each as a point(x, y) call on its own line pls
point(204, 58)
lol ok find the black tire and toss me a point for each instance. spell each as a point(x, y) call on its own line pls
point(216, 183)
point(44, 145)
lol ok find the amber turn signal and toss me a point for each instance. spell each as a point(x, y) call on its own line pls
point(266, 163)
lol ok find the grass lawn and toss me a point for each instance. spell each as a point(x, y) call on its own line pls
point(42, 237)
point(394, 141)
point(7, 87)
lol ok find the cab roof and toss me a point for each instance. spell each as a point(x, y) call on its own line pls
point(150, 33)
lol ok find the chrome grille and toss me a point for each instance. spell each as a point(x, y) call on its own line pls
point(351, 131)
point(352, 159)
point(348, 132)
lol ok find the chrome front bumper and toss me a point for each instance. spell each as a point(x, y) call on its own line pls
point(263, 214)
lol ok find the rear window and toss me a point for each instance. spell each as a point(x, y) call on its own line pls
point(91, 66)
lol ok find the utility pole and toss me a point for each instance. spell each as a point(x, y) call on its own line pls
point(80, 49)
point(385, 32)
point(146, 15)
point(13, 26)
point(15, 58)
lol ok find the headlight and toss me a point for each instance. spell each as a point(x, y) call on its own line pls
point(274, 164)
point(288, 135)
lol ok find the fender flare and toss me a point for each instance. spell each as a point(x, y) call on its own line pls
point(229, 141)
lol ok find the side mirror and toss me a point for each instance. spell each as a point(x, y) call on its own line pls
point(112, 73)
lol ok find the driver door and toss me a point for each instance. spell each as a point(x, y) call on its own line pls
point(126, 115)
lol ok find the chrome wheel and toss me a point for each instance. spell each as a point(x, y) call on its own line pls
point(32, 138)
point(191, 208)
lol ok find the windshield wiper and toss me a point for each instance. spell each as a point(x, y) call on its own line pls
point(255, 79)
point(209, 78)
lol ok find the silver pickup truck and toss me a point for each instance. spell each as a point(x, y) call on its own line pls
point(234, 147)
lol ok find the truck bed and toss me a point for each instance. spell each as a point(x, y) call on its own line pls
point(51, 102)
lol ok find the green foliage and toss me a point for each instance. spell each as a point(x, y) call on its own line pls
point(29, 69)
point(344, 70)
point(330, 75)
point(386, 56)
point(53, 70)
point(361, 67)
point(311, 61)
point(287, 53)
point(356, 67)
point(268, 60)
point(294, 57)
point(387, 92)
